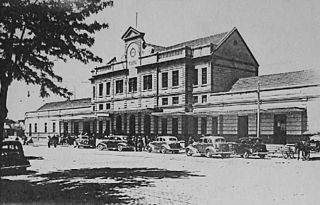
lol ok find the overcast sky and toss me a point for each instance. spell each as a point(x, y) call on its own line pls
point(283, 35)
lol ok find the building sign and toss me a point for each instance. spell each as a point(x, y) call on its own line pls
point(133, 55)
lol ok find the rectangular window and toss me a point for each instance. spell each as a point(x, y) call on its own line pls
point(147, 82)
point(175, 78)
point(93, 108)
point(195, 77)
point(108, 106)
point(164, 101)
point(164, 80)
point(100, 90)
point(204, 98)
point(108, 88)
point(35, 127)
point(132, 84)
point(100, 106)
point(175, 100)
point(204, 76)
point(53, 127)
point(119, 86)
point(93, 92)
point(164, 126)
point(195, 99)
point(45, 127)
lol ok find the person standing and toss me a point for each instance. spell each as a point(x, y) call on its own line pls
point(49, 141)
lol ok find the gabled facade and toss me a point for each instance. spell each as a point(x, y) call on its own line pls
point(150, 91)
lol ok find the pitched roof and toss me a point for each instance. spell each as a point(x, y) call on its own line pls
point(304, 77)
point(84, 102)
point(214, 39)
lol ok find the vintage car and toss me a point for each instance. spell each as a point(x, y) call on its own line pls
point(164, 144)
point(209, 146)
point(115, 142)
point(315, 143)
point(12, 158)
point(83, 141)
point(251, 146)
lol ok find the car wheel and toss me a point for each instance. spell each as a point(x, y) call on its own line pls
point(246, 155)
point(208, 154)
point(100, 147)
point(163, 150)
point(262, 156)
point(224, 156)
point(120, 148)
point(149, 149)
point(188, 152)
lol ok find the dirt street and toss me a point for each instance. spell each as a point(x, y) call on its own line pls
point(65, 175)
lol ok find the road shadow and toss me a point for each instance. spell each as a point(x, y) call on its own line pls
point(84, 186)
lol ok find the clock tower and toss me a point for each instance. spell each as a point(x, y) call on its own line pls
point(133, 46)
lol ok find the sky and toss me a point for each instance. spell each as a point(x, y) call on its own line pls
point(283, 35)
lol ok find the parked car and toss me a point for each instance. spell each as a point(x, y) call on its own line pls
point(12, 158)
point(251, 146)
point(164, 144)
point(83, 141)
point(115, 142)
point(315, 143)
point(208, 146)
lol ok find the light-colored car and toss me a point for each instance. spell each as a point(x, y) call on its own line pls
point(115, 142)
point(209, 146)
point(83, 141)
point(165, 144)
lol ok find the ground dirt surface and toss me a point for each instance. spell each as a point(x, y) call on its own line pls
point(66, 175)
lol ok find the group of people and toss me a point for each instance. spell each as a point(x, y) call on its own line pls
point(139, 142)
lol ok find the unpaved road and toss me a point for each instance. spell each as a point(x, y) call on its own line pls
point(65, 175)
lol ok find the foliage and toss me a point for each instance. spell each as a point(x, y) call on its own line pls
point(36, 33)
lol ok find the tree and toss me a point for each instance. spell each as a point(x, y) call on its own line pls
point(35, 33)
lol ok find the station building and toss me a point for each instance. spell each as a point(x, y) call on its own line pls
point(204, 86)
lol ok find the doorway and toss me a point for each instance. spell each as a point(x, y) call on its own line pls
point(242, 126)
point(280, 132)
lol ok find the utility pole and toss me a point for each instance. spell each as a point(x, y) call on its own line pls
point(258, 108)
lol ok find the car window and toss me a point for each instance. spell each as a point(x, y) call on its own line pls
point(205, 140)
point(209, 141)
point(220, 140)
point(111, 138)
point(172, 139)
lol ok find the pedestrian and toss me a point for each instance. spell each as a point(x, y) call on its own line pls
point(136, 143)
point(298, 149)
point(49, 141)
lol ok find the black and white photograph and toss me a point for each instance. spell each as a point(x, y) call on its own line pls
point(158, 102)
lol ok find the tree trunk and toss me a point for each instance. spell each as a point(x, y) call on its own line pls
point(3, 107)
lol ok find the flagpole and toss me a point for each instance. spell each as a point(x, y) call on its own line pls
point(258, 109)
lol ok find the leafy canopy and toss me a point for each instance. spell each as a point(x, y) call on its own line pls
point(35, 33)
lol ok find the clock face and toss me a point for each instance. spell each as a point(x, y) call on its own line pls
point(133, 52)
point(133, 55)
